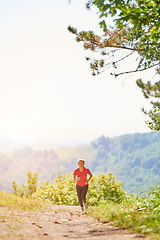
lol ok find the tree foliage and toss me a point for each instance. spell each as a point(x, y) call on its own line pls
point(26, 190)
point(152, 91)
point(136, 29)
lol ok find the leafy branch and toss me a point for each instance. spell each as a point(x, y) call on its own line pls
point(136, 29)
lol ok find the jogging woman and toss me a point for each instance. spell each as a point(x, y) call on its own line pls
point(81, 179)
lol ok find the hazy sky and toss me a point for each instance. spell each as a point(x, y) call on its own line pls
point(47, 93)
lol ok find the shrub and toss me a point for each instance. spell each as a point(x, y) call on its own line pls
point(102, 189)
point(26, 190)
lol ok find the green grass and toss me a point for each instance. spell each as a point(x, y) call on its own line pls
point(126, 215)
point(20, 204)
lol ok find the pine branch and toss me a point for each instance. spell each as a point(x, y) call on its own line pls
point(126, 48)
point(133, 71)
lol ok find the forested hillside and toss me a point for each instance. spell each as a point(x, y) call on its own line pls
point(133, 158)
point(15, 165)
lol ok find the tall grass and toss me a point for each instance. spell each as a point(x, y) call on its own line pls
point(10, 201)
point(141, 215)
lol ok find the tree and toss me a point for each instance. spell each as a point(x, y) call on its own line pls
point(152, 90)
point(136, 31)
point(28, 190)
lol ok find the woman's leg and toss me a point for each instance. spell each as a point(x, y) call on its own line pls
point(79, 194)
point(83, 193)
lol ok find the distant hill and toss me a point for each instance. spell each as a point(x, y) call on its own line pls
point(133, 158)
point(15, 165)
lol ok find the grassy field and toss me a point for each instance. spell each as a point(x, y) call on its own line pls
point(128, 216)
point(86, 152)
point(21, 204)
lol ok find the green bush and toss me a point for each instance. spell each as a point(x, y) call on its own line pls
point(61, 191)
point(102, 189)
point(150, 200)
point(26, 190)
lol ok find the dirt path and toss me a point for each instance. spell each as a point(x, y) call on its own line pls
point(58, 223)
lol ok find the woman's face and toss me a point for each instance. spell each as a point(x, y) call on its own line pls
point(81, 164)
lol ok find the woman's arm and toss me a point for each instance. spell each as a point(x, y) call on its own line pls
point(90, 176)
point(75, 178)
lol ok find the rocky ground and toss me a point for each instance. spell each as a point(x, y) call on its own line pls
point(58, 223)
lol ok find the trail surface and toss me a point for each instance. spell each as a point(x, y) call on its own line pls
point(58, 223)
